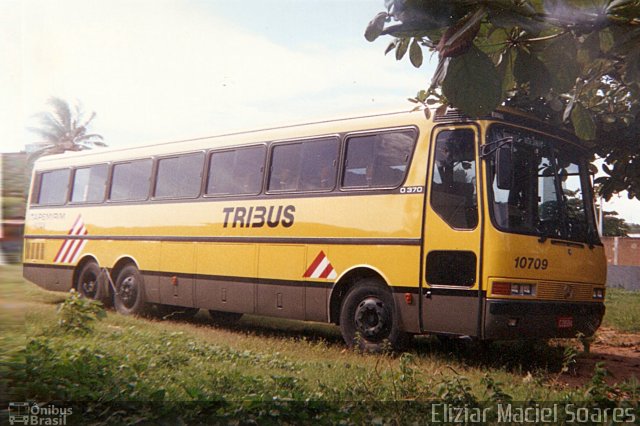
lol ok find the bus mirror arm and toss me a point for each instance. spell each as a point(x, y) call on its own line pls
point(488, 149)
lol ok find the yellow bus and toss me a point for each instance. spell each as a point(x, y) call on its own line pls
point(386, 225)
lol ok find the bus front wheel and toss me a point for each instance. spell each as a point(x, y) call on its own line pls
point(130, 297)
point(368, 319)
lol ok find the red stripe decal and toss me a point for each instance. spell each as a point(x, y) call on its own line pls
point(75, 224)
point(63, 248)
point(314, 264)
point(326, 271)
point(74, 251)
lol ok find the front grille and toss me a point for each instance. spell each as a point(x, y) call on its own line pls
point(564, 291)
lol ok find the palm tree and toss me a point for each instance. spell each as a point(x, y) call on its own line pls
point(64, 130)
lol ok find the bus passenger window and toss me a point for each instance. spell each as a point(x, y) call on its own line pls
point(89, 184)
point(319, 163)
point(53, 187)
point(305, 166)
point(377, 161)
point(285, 167)
point(453, 184)
point(236, 172)
point(179, 177)
point(131, 181)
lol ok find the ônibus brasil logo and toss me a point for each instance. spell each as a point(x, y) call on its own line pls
point(26, 413)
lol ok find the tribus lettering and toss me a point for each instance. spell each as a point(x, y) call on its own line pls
point(258, 216)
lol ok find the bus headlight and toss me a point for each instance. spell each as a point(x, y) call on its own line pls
point(513, 289)
point(598, 293)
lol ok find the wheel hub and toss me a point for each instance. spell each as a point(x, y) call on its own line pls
point(89, 287)
point(128, 290)
point(371, 317)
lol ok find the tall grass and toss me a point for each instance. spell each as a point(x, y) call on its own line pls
point(261, 370)
point(623, 310)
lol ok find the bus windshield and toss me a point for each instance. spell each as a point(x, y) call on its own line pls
point(549, 194)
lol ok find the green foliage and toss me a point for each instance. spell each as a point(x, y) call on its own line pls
point(473, 76)
point(15, 174)
point(614, 226)
point(13, 207)
point(77, 314)
point(457, 392)
point(495, 393)
point(572, 63)
point(569, 360)
point(623, 310)
point(141, 371)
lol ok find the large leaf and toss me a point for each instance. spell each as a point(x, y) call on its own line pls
point(505, 70)
point(375, 27)
point(583, 124)
point(529, 69)
point(415, 53)
point(459, 37)
point(560, 57)
point(401, 48)
point(472, 83)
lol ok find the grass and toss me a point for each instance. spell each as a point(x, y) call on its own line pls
point(262, 370)
point(623, 310)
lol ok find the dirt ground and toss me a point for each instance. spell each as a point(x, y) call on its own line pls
point(619, 352)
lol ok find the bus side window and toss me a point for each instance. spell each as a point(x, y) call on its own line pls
point(453, 183)
point(179, 177)
point(89, 184)
point(285, 167)
point(304, 166)
point(378, 160)
point(319, 164)
point(236, 172)
point(53, 187)
point(131, 181)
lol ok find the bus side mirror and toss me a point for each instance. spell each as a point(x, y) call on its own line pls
point(504, 168)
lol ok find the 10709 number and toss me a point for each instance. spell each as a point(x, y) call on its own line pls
point(531, 263)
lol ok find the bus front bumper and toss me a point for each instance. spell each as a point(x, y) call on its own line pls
point(514, 319)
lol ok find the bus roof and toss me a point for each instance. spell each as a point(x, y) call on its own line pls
point(276, 133)
point(233, 138)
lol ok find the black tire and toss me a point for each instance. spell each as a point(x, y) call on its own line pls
point(90, 285)
point(170, 312)
point(368, 318)
point(224, 318)
point(130, 297)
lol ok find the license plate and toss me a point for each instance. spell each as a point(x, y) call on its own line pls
point(565, 322)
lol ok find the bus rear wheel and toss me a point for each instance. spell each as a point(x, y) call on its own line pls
point(130, 296)
point(89, 284)
point(368, 318)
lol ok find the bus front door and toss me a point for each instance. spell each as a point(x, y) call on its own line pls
point(450, 297)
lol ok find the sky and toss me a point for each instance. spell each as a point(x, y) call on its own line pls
point(159, 70)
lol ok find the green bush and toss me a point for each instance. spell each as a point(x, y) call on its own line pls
point(77, 314)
